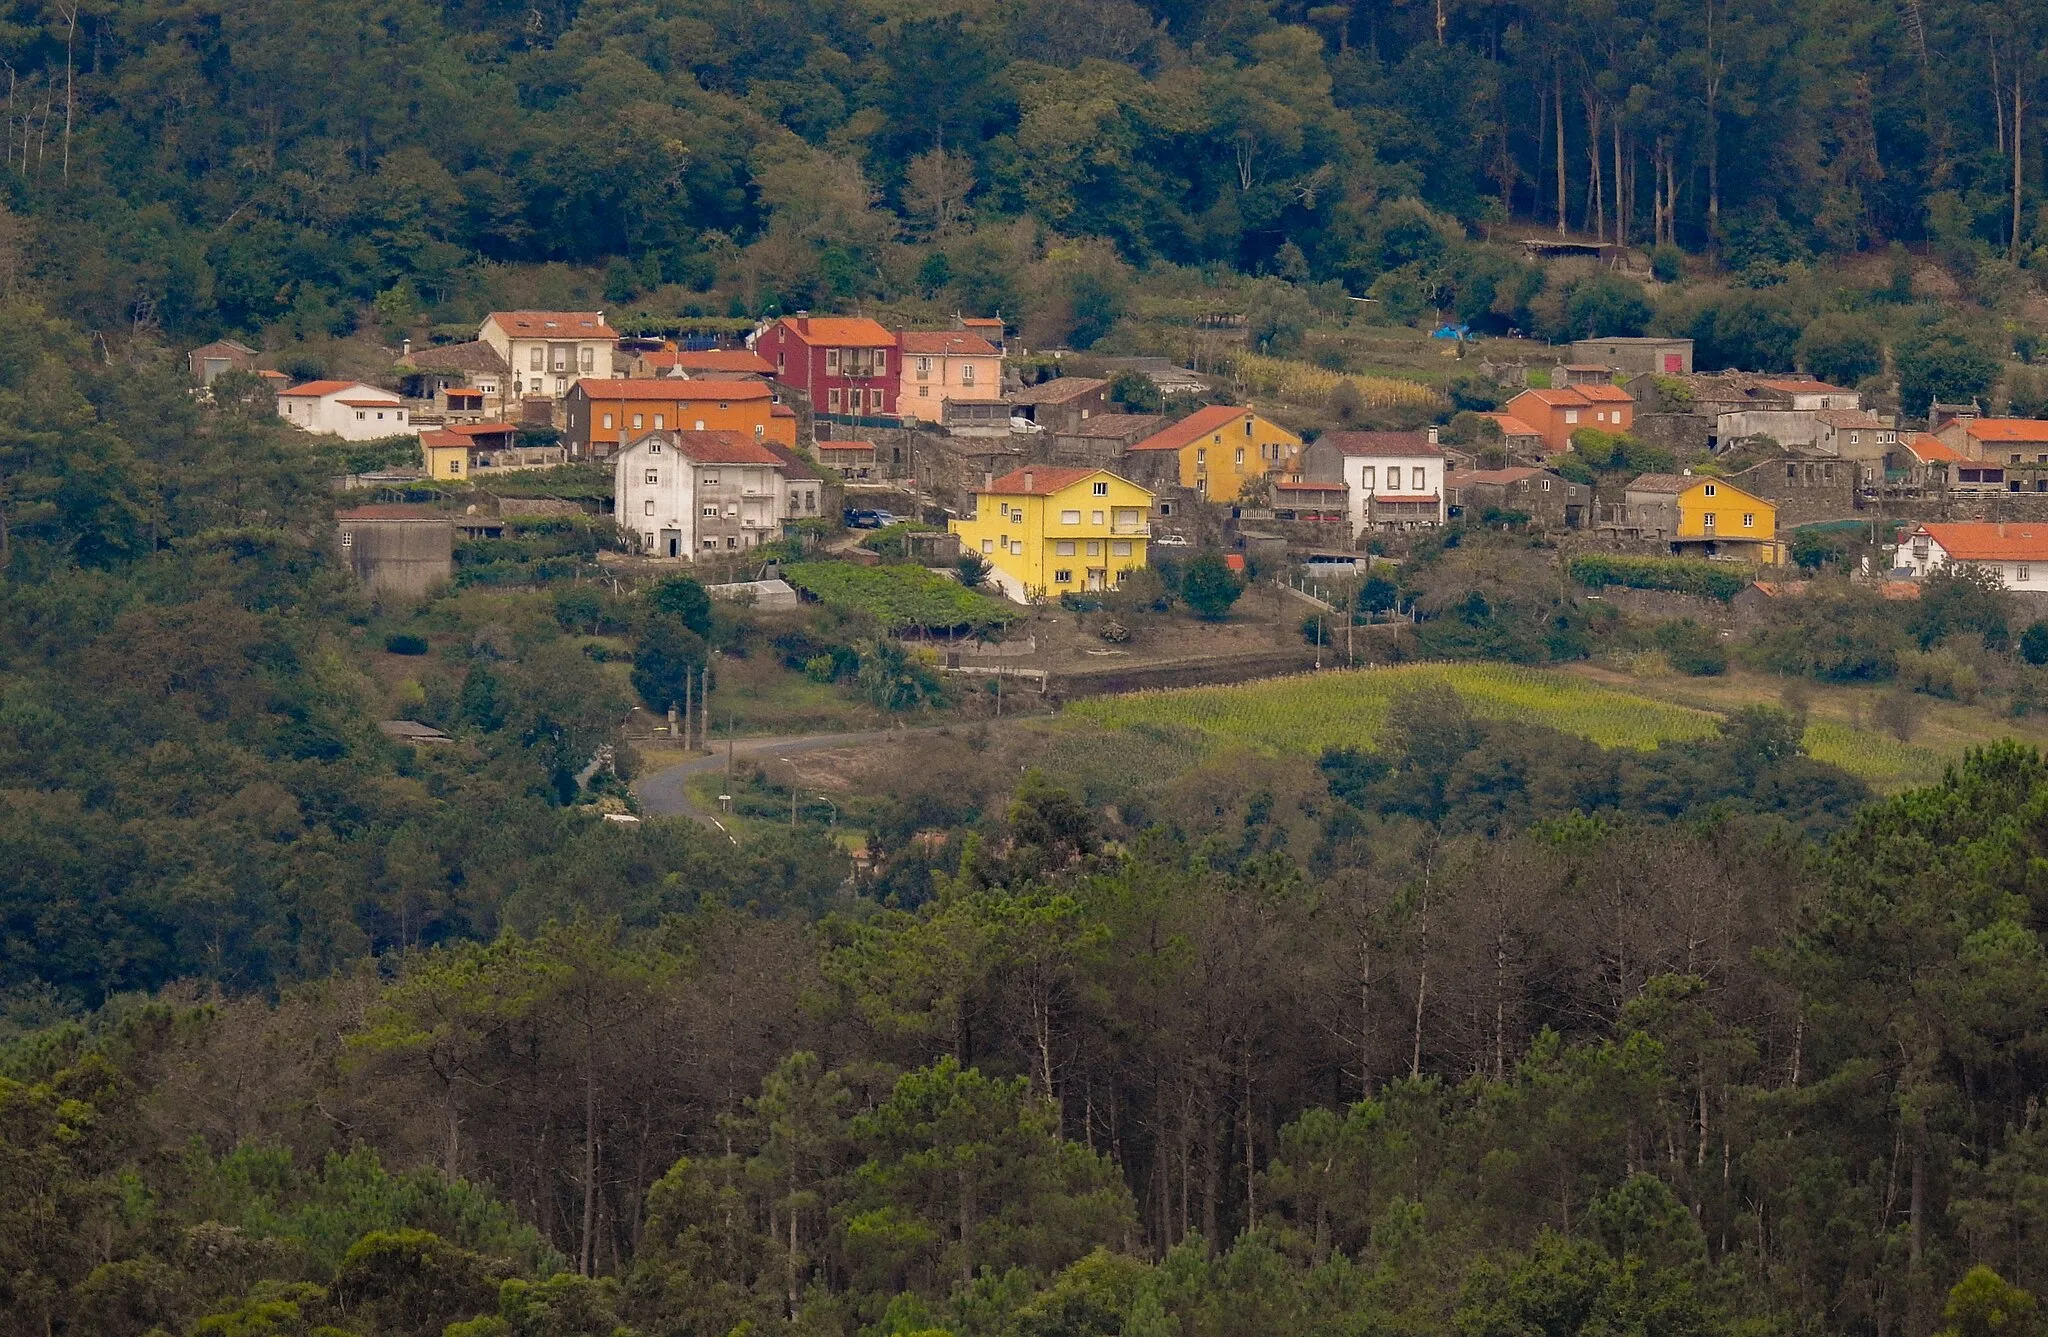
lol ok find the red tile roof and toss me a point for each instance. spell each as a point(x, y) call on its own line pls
point(941, 343)
point(671, 389)
point(1039, 480)
point(1201, 423)
point(554, 324)
point(1283, 486)
point(1932, 450)
point(714, 447)
point(469, 429)
point(732, 361)
point(1402, 444)
point(1605, 394)
point(1990, 542)
point(315, 389)
point(391, 403)
point(2008, 429)
point(839, 331)
point(441, 440)
point(1510, 425)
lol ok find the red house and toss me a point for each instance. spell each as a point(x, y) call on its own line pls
point(842, 364)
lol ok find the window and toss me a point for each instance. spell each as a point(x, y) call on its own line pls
point(1749, 520)
point(1095, 547)
point(1063, 577)
point(731, 542)
point(1708, 521)
point(660, 421)
point(1419, 481)
point(1365, 478)
point(831, 362)
point(810, 499)
point(589, 359)
point(2015, 459)
point(1016, 547)
point(1546, 485)
point(1003, 508)
point(1095, 517)
point(539, 361)
point(832, 401)
point(561, 359)
point(881, 369)
point(988, 545)
point(654, 447)
point(924, 368)
point(853, 401)
point(1017, 517)
point(1571, 415)
point(1120, 548)
point(710, 543)
point(639, 421)
point(967, 374)
point(924, 392)
point(1710, 489)
point(607, 420)
point(1070, 517)
point(1064, 548)
point(710, 480)
point(1201, 455)
point(711, 510)
point(2020, 572)
point(1102, 489)
point(1240, 457)
point(653, 477)
point(650, 506)
point(359, 413)
point(348, 540)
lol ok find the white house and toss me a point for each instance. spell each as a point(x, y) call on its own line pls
point(1395, 480)
point(347, 409)
point(2016, 553)
point(548, 351)
point(695, 494)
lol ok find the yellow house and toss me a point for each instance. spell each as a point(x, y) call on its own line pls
point(446, 455)
point(1700, 516)
point(1045, 531)
point(1220, 449)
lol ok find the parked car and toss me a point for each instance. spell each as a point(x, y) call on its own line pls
point(865, 519)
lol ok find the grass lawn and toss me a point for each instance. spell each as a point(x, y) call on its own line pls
point(1311, 712)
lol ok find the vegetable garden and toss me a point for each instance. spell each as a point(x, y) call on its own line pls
point(899, 597)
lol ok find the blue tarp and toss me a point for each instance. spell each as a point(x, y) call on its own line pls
point(1451, 332)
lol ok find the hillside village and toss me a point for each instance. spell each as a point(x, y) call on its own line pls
point(716, 447)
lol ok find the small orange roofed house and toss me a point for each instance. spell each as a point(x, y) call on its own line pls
point(347, 409)
point(1518, 437)
point(2002, 454)
point(1214, 452)
point(1556, 414)
point(2017, 554)
point(946, 365)
point(606, 414)
point(844, 365)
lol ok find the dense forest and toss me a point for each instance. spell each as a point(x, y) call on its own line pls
point(212, 168)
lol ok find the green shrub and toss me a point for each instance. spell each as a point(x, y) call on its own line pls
point(2034, 644)
point(1692, 649)
point(1667, 264)
point(1938, 673)
point(405, 643)
point(1713, 580)
point(898, 596)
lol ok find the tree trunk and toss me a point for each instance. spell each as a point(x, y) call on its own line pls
point(2019, 159)
point(1620, 181)
point(1557, 109)
point(1596, 191)
point(589, 1148)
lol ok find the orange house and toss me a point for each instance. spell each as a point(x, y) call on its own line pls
point(605, 414)
point(1556, 414)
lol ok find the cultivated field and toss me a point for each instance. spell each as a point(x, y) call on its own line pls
point(1309, 713)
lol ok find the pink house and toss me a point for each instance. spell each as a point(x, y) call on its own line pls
point(942, 365)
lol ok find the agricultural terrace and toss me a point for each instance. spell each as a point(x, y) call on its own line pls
point(1306, 383)
point(1309, 713)
point(899, 597)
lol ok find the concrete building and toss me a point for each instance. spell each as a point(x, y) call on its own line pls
point(403, 552)
point(1551, 501)
point(1394, 480)
point(546, 352)
point(1061, 404)
point(689, 494)
point(946, 366)
point(347, 409)
point(841, 364)
point(1047, 531)
point(210, 360)
point(1640, 356)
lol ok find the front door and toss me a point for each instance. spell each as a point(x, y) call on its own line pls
point(1098, 577)
point(672, 542)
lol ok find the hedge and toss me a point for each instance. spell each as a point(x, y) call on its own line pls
point(1712, 580)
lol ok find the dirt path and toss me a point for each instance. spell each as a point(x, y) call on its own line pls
point(666, 793)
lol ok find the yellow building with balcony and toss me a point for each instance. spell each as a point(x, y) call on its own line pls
point(1215, 451)
point(1048, 531)
point(1701, 516)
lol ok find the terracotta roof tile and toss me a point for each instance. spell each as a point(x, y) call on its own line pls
point(2008, 429)
point(1402, 444)
point(315, 389)
point(936, 343)
point(1201, 423)
point(1040, 480)
point(731, 361)
point(1990, 542)
point(839, 331)
point(1932, 450)
point(554, 324)
point(713, 447)
point(671, 389)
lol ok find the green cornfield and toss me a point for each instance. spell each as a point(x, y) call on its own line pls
point(1308, 713)
point(1348, 708)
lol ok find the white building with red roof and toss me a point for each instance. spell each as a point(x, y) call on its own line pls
point(547, 351)
point(1394, 480)
point(350, 410)
point(2016, 553)
point(690, 495)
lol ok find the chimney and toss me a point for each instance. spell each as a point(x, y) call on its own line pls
point(1027, 480)
point(405, 346)
point(803, 322)
point(2001, 529)
point(1432, 436)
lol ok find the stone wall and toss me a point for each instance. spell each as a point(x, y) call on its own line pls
point(1682, 433)
point(1804, 491)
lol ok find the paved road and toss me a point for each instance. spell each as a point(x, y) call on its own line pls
point(666, 793)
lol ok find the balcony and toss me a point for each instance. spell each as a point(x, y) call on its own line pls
point(1139, 531)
